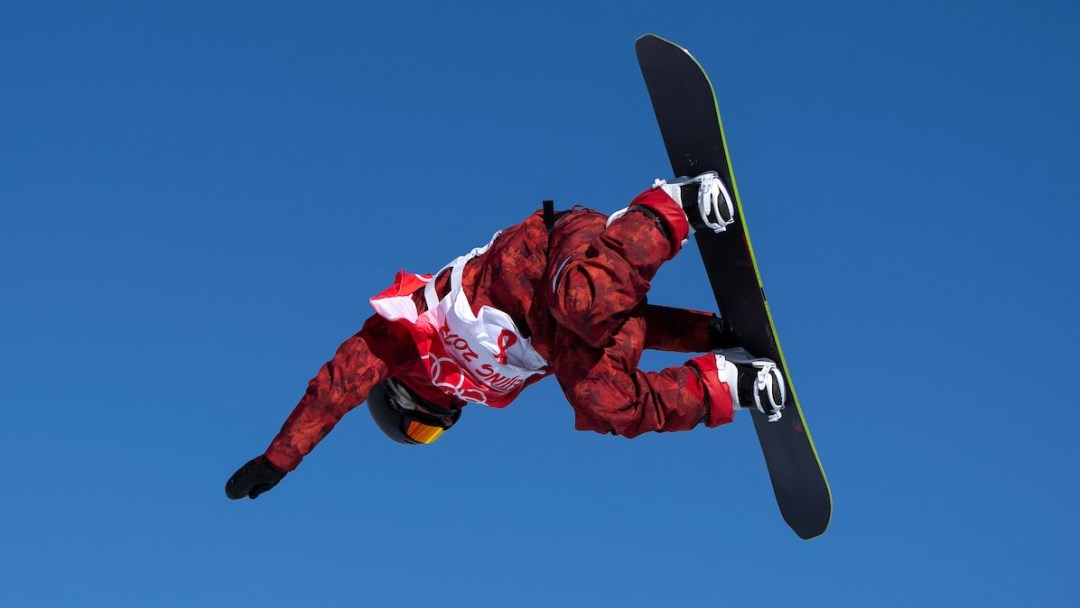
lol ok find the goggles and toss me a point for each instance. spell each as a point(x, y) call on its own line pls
point(420, 432)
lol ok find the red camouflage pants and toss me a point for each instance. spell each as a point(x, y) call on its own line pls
point(598, 294)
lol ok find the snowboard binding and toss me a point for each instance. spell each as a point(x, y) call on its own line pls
point(756, 382)
point(705, 200)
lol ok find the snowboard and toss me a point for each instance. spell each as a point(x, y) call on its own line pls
point(689, 118)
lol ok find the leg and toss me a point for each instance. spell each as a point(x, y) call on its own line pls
point(598, 273)
point(610, 395)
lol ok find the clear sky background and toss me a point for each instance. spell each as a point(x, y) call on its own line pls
point(196, 201)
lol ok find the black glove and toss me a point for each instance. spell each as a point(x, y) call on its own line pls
point(252, 479)
point(722, 334)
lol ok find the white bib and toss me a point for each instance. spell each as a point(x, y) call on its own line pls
point(479, 357)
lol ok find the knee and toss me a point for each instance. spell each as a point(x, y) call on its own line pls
point(607, 407)
point(589, 299)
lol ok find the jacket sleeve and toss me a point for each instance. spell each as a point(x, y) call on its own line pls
point(677, 329)
point(342, 384)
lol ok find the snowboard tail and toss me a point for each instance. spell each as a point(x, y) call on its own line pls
point(689, 120)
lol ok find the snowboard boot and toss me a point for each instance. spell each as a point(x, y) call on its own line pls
point(757, 382)
point(752, 382)
point(704, 199)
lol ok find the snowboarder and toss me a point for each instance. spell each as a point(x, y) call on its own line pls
point(560, 294)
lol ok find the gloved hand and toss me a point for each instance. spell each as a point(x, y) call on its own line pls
point(252, 479)
point(722, 334)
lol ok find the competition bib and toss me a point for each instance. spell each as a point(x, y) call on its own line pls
point(479, 357)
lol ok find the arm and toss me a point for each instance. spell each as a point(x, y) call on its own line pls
point(342, 384)
point(678, 330)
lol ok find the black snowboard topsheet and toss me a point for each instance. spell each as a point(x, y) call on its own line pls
point(689, 120)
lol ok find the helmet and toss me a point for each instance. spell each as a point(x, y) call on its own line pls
point(405, 417)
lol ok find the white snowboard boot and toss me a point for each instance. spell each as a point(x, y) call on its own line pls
point(705, 200)
point(759, 382)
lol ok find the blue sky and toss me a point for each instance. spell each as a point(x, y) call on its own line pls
point(197, 200)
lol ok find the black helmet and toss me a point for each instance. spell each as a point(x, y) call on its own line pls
point(405, 417)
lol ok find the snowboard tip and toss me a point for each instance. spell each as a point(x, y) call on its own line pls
point(652, 40)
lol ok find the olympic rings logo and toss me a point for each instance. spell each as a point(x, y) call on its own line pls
point(440, 378)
